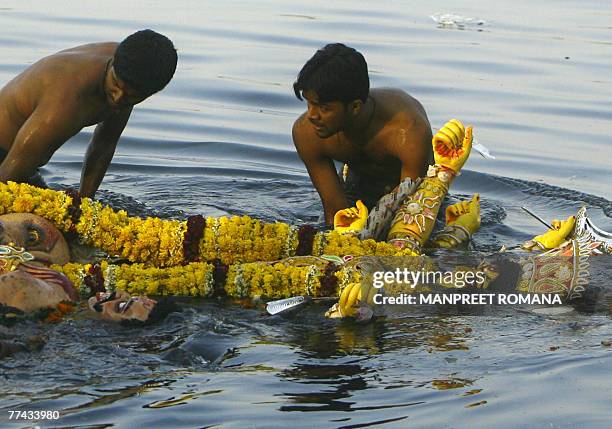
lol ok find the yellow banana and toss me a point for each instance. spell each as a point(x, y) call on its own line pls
point(345, 294)
point(353, 297)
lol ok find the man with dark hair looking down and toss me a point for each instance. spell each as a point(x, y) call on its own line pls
point(53, 99)
point(381, 135)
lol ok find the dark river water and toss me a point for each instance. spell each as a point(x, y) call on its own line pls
point(533, 78)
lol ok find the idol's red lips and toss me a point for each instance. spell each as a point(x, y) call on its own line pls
point(52, 276)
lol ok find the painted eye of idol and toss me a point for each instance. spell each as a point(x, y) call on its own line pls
point(123, 306)
point(33, 237)
point(37, 238)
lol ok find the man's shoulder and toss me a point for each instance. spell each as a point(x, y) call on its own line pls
point(300, 123)
point(302, 131)
point(404, 120)
point(98, 48)
point(399, 109)
point(396, 99)
point(78, 61)
point(308, 144)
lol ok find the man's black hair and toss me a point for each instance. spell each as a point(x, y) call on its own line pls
point(163, 307)
point(145, 61)
point(335, 73)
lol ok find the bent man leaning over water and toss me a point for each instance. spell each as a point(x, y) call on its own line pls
point(56, 97)
point(383, 135)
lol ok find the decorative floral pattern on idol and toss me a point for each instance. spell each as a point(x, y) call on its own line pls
point(418, 209)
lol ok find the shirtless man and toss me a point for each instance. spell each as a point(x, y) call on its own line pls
point(56, 97)
point(383, 135)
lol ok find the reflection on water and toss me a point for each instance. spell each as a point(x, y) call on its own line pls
point(216, 364)
point(217, 141)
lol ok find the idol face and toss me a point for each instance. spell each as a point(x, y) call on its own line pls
point(119, 305)
point(36, 235)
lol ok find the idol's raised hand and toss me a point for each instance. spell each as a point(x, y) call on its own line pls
point(356, 300)
point(452, 145)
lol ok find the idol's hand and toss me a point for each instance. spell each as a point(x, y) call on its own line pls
point(465, 214)
point(554, 237)
point(462, 221)
point(351, 220)
point(452, 145)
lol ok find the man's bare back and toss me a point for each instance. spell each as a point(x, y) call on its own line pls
point(56, 97)
point(66, 86)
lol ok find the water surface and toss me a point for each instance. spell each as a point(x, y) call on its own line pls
point(534, 81)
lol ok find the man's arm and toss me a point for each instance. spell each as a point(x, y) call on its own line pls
point(101, 150)
point(321, 170)
point(47, 128)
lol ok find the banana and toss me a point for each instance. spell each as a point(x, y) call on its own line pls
point(355, 295)
point(344, 295)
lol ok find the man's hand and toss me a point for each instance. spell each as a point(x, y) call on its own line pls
point(555, 236)
point(452, 145)
point(351, 220)
point(465, 214)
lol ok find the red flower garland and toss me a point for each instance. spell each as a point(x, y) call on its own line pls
point(306, 236)
point(192, 237)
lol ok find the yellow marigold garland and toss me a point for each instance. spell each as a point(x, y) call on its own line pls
point(159, 242)
point(272, 281)
point(266, 280)
point(24, 198)
point(150, 240)
point(195, 279)
point(243, 239)
point(341, 245)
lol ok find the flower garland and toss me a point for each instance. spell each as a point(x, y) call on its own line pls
point(335, 243)
point(249, 280)
point(193, 235)
point(243, 239)
point(272, 280)
point(169, 243)
point(194, 279)
point(151, 240)
point(23, 198)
